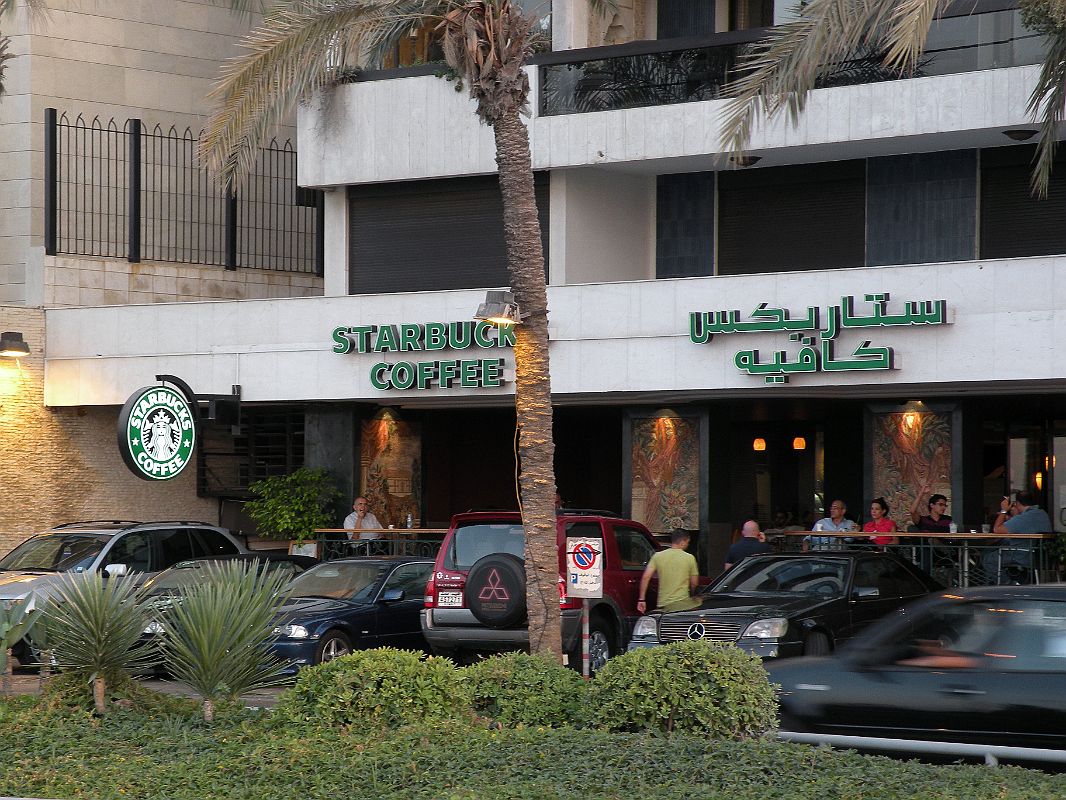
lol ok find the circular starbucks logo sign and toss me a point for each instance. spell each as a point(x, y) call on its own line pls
point(156, 433)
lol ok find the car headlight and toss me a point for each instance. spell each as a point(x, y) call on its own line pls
point(646, 627)
point(291, 632)
point(155, 628)
point(773, 628)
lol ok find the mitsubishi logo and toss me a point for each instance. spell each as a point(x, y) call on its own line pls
point(494, 588)
point(697, 630)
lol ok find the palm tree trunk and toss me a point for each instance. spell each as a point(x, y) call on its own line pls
point(8, 669)
point(100, 694)
point(209, 710)
point(533, 407)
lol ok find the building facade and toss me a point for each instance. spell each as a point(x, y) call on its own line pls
point(868, 306)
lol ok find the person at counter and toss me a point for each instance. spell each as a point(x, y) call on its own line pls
point(1014, 557)
point(934, 520)
point(880, 524)
point(750, 543)
point(362, 519)
point(836, 522)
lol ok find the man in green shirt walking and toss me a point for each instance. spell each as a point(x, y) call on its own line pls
point(678, 573)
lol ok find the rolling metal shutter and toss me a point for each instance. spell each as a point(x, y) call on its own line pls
point(1013, 222)
point(780, 219)
point(432, 235)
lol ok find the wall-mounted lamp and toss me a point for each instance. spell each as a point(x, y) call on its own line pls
point(759, 445)
point(12, 345)
point(499, 308)
point(745, 161)
point(799, 443)
point(1020, 134)
point(1039, 480)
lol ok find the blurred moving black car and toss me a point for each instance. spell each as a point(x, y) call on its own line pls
point(982, 666)
point(777, 606)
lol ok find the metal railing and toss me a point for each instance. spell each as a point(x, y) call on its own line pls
point(666, 72)
point(335, 543)
point(127, 191)
point(955, 560)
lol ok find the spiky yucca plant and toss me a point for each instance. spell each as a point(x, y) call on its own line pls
point(217, 633)
point(798, 55)
point(95, 626)
point(16, 621)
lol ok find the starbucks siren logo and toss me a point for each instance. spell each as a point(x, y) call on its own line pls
point(156, 433)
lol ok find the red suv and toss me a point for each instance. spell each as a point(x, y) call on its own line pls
point(476, 599)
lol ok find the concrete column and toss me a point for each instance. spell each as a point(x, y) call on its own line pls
point(330, 441)
point(335, 279)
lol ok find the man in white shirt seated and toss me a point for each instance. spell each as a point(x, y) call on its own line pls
point(836, 522)
point(363, 521)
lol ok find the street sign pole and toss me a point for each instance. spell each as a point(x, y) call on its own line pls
point(585, 637)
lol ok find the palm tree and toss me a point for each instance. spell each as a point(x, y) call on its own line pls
point(302, 47)
point(780, 73)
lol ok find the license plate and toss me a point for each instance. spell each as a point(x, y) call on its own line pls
point(450, 599)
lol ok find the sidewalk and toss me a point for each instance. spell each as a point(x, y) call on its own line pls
point(28, 683)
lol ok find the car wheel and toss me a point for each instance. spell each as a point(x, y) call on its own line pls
point(601, 644)
point(333, 644)
point(816, 644)
point(787, 722)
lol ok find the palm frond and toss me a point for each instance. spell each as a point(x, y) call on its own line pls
point(782, 71)
point(218, 632)
point(1046, 103)
point(295, 51)
point(908, 30)
point(5, 56)
point(95, 626)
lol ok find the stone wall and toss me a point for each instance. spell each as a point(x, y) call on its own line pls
point(86, 281)
point(62, 464)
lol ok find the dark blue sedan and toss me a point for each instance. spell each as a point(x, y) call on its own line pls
point(352, 604)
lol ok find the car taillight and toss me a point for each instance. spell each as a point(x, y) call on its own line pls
point(566, 602)
point(431, 594)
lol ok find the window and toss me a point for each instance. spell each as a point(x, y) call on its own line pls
point(889, 578)
point(634, 549)
point(135, 551)
point(472, 542)
point(208, 543)
point(175, 546)
point(411, 579)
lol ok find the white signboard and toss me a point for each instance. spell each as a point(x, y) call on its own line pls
point(584, 567)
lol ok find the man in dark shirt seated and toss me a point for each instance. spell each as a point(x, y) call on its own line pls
point(934, 520)
point(750, 543)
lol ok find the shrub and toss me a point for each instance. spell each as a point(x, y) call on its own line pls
point(95, 628)
point(292, 506)
point(373, 689)
point(697, 686)
point(217, 634)
point(68, 690)
point(520, 689)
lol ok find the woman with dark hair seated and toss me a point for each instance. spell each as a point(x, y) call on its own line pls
point(880, 523)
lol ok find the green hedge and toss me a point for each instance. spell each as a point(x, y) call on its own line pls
point(715, 689)
point(520, 689)
point(376, 689)
point(244, 756)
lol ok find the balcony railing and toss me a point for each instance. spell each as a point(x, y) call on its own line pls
point(657, 73)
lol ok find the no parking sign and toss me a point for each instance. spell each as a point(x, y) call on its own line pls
point(584, 567)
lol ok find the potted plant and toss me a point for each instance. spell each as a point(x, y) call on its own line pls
point(292, 506)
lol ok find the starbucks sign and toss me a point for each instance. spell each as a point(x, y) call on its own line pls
point(156, 433)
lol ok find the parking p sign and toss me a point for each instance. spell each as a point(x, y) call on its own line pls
point(584, 567)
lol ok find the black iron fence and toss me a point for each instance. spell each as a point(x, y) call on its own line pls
point(127, 191)
point(983, 35)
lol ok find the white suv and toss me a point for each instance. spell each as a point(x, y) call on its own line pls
point(115, 548)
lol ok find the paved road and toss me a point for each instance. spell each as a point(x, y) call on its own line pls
point(27, 683)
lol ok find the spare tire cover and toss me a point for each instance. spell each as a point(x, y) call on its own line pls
point(496, 590)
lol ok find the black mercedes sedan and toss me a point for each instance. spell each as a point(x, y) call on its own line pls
point(776, 606)
point(980, 666)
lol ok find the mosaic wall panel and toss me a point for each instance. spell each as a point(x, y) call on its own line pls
point(391, 469)
point(666, 473)
point(911, 458)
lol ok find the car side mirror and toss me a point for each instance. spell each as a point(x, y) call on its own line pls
point(393, 595)
point(116, 570)
point(865, 592)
